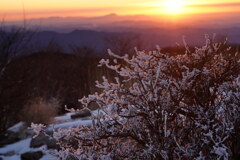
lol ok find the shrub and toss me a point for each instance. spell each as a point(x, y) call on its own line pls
point(175, 107)
point(40, 110)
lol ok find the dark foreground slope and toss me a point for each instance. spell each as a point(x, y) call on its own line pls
point(47, 75)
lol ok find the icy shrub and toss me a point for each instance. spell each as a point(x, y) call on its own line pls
point(40, 110)
point(162, 107)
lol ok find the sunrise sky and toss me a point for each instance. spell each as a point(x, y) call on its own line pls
point(14, 9)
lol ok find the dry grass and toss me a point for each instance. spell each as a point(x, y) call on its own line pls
point(40, 110)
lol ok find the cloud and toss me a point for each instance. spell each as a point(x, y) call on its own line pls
point(236, 4)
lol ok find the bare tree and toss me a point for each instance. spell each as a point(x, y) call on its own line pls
point(82, 51)
point(13, 42)
point(124, 43)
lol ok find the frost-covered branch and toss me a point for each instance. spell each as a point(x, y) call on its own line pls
point(162, 107)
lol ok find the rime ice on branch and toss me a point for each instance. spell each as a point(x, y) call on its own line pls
point(162, 107)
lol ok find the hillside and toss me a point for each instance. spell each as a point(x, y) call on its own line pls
point(65, 77)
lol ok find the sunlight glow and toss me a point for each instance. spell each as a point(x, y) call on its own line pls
point(14, 9)
point(173, 6)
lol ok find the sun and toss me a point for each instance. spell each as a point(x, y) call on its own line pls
point(173, 6)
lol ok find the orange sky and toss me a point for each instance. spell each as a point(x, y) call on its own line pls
point(15, 9)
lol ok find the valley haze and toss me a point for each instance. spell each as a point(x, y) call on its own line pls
point(153, 30)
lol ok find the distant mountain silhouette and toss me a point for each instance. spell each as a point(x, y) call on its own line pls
point(90, 38)
point(96, 40)
point(154, 30)
point(114, 22)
